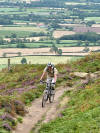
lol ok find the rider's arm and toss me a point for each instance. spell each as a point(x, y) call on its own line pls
point(44, 72)
point(55, 75)
point(42, 76)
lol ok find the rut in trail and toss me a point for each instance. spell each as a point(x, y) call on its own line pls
point(36, 112)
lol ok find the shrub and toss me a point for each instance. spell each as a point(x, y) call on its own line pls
point(24, 61)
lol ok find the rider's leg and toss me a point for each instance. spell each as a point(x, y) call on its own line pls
point(53, 86)
point(48, 81)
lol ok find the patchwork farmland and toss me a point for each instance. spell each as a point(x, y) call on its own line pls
point(46, 51)
point(87, 29)
point(33, 33)
point(60, 33)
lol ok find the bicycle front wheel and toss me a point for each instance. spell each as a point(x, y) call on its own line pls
point(44, 99)
point(51, 98)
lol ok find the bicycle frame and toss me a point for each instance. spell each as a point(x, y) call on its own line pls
point(47, 93)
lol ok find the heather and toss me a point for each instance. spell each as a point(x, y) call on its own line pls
point(20, 86)
point(82, 113)
point(91, 63)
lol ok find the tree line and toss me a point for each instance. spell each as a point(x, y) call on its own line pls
point(89, 36)
point(42, 3)
point(5, 21)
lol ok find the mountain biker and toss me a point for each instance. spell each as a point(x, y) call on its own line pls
point(51, 73)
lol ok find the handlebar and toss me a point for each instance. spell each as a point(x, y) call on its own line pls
point(45, 82)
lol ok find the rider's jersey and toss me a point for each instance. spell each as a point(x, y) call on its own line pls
point(50, 74)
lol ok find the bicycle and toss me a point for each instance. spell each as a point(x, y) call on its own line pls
point(48, 93)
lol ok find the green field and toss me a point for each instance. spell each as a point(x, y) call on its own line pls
point(4, 33)
point(37, 45)
point(23, 28)
point(8, 9)
point(96, 19)
point(49, 43)
point(2, 66)
point(18, 11)
point(39, 59)
point(76, 3)
point(19, 31)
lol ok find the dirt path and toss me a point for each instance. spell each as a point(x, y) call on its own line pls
point(36, 112)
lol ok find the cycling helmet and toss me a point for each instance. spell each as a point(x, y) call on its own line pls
point(50, 65)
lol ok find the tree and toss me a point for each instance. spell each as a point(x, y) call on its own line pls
point(13, 35)
point(21, 45)
point(90, 23)
point(70, 28)
point(4, 55)
point(21, 8)
point(87, 43)
point(60, 51)
point(81, 17)
point(55, 25)
point(98, 42)
point(73, 19)
point(19, 53)
point(54, 49)
point(24, 61)
point(57, 41)
point(86, 49)
point(79, 43)
point(1, 41)
point(51, 50)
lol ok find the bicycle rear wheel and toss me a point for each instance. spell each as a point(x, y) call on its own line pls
point(44, 99)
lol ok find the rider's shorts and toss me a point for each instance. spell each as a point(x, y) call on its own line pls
point(49, 80)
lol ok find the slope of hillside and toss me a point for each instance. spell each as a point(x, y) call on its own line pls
point(17, 88)
point(82, 113)
point(90, 63)
point(20, 87)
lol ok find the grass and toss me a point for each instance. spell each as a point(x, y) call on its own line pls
point(2, 66)
point(8, 9)
point(39, 11)
point(39, 59)
point(96, 19)
point(23, 82)
point(22, 31)
point(74, 43)
point(8, 46)
point(23, 28)
point(4, 33)
point(28, 10)
point(75, 3)
point(90, 63)
point(81, 114)
point(68, 41)
point(46, 44)
point(24, 88)
point(38, 44)
point(42, 44)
